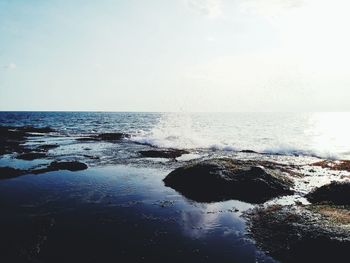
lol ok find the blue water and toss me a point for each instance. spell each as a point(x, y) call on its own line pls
point(120, 209)
point(312, 134)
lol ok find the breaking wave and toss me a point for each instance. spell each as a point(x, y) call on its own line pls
point(188, 131)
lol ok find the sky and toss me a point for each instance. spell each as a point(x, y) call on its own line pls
point(175, 55)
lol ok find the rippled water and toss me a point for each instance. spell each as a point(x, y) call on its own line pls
point(315, 134)
point(119, 208)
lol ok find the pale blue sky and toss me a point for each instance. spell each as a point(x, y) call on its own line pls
point(175, 55)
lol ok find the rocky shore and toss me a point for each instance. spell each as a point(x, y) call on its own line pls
point(311, 231)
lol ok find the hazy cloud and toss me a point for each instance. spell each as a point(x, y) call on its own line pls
point(10, 66)
point(209, 8)
point(270, 7)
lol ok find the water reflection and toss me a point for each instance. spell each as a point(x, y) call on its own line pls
point(223, 219)
point(111, 204)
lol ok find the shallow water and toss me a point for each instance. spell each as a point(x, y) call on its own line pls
point(119, 208)
point(117, 212)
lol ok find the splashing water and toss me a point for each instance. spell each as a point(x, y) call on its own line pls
point(314, 134)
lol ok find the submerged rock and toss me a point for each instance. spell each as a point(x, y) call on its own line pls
point(31, 156)
point(116, 136)
point(9, 172)
point(36, 129)
point(301, 234)
point(46, 147)
point(248, 151)
point(12, 138)
point(61, 165)
point(71, 166)
point(112, 136)
point(336, 192)
point(224, 179)
point(168, 153)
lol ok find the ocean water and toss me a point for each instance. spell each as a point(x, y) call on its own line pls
point(119, 208)
point(324, 135)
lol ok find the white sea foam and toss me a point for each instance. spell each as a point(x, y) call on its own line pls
point(285, 134)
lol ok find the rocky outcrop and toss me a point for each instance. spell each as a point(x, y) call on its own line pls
point(224, 179)
point(31, 156)
point(168, 153)
point(338, 165)
point(337, 193)
point(301, 233)
point(9, 172)
point(46, 147)
point(12, 138)
point(61, 165)
point(110, 137)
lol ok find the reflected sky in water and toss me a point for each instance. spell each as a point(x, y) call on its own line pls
point(140, 213)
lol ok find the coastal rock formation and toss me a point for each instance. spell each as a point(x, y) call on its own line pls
point(168, 153)
point(46, 147)
point(301, 233)
point(31, 156)
point(338, 165)
point(224, 179)
point(62, 165)
point(111, 137)
point(12, 138)
point(337, 193)
point(9, 172)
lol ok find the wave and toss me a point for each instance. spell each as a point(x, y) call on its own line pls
point(176, 142)
point(265, 136)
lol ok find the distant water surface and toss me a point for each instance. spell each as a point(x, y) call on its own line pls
point(315, 134)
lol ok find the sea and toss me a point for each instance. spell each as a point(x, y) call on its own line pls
point(119, 210)
point(324, 135)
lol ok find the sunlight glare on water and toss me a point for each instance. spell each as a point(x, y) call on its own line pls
point(319, 134)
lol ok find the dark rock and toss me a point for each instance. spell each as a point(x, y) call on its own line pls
point(62, 165)
point(70, 166)
point(105, 137)
point(224, 179)
point(112, 136)
point(339, 165)
point(46, 147)
point(336, 192)
point(248, 151)
point(12, 138)
point(8, 172)
point(169, 153)
point(86, 139)
point(36, 130)
point(31, 156)
point(299, 234)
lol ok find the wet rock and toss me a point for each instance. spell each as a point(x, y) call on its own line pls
point(224, 179)
point(299, 234)
point(8, 172)
point(31, 156)
point(46, 147)
point(61, 165)
point(112, 136)
point(105, 137)
point(70, 166)
point(36, 130)
point(12, 138)
point(336, 192)
point(168, 153)
point(339, 165)
point(248, 151)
